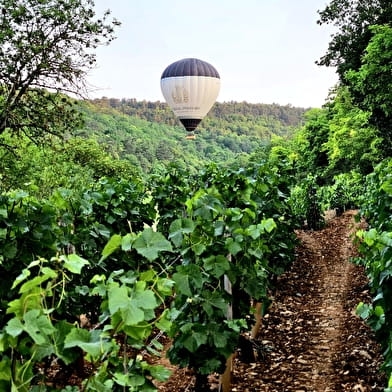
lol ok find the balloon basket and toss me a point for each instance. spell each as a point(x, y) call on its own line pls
point(190, 137)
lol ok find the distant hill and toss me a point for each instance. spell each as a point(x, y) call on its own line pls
point(147, 133)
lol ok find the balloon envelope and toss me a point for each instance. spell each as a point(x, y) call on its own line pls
point(190, 87)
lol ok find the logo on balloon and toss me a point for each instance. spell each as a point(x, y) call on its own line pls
point(180, 95)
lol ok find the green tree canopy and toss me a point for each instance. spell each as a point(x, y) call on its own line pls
point(46, 45)
point(353, 143)
point(313, 135)
point(353, 19)
point(371, 84)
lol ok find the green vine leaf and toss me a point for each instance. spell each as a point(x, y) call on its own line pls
point(38, 326)
point(3, 233)
point(150, 243)
point(198, 248)
point(194, 341)
point(118, 298)
point(23, 276)
point(127, 241)
point(146, 299)
point(182, 283)
point(159, 372)
point(113, 244)
point(178, 228)
point(132, 314)
point(74, 263)
point(89, 341)
point(219, 228)
point(165, 286)
point(216, 265)
point(268, 225)
point(131, 308)
point(139, 332)
point(134, 381)
point(233, 246)
point(14, 327)
point(37, 281)
point(213, 300)
point(5, 369)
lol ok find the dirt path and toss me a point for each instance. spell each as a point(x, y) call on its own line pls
point(312, 339)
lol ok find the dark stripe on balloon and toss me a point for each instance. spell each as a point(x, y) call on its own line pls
point(190, 67)
point(190, 124)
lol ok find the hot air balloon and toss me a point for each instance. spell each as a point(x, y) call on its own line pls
point(190, 87)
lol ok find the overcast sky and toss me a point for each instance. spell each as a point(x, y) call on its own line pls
point(264, 50)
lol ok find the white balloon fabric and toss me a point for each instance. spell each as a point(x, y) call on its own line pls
point(190, 87)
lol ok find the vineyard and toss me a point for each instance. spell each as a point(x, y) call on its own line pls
point(92, 279)
point(134, 260)
point(309, 339)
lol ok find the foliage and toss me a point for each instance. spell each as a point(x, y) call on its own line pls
point(27, 228)
point(137, 255)
point(376, 248)
point(361, 50)
point(336, 139)
point(34, 335)
point(149, 145)
point(241, 212)
point(46, 45)
point(72, 220)
point(353, 143)
point(280, 150)
point(72, 164)
point(372, 79)
point(242, 113)
point(148, 134)
point(306, 203)
point(150, 247)
point(371, 83)
point(346, 192)
point(37, 115)
point(376, 201)
point(49, 296)
point(115, 145)
point(313, 136)
point(352, 20)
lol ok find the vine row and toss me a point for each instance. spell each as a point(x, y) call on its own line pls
point(134, 259)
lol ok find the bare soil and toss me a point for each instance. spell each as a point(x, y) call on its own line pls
point(310, 339)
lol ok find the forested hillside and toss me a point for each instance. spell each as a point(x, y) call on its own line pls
point(139, 137)
point(148, 134)
point(226, 111)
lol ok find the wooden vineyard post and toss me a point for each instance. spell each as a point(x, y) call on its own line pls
point(225, 378)
point(258, 316)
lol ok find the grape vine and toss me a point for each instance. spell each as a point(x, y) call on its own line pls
point(135, 259)
point(376, 249)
